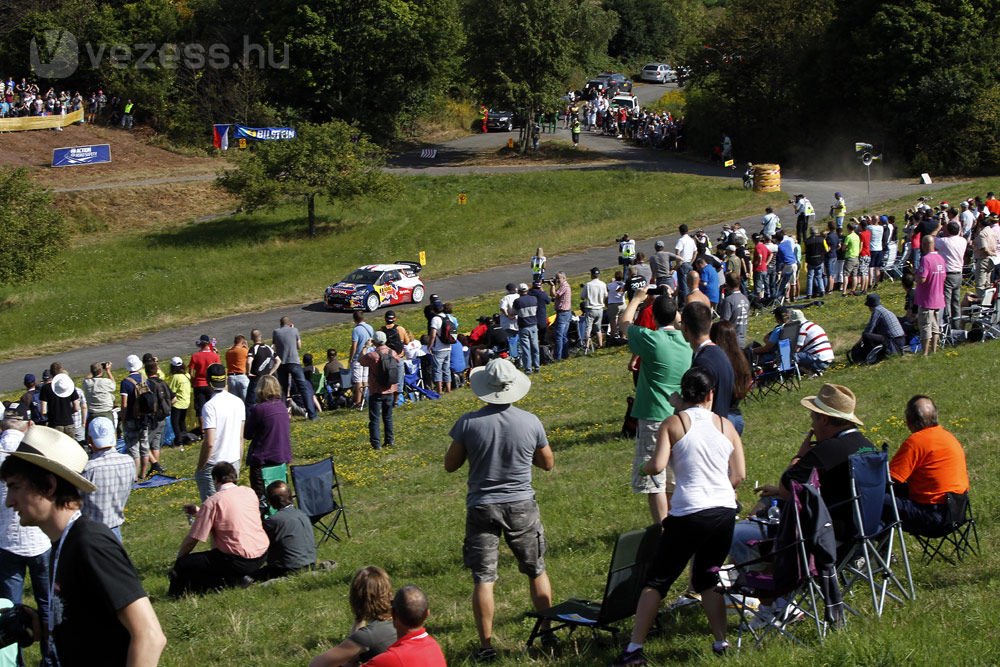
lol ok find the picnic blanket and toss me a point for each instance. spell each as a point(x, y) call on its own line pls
point(158, 480)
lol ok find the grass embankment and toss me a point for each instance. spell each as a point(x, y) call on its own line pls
point(407, 515)
point(131, 282)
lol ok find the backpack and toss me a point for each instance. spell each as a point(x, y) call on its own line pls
point(447, 333)
point(161, 398)
point(34, 401)
point(143, 403)
point(392, 339)
point(387, 370)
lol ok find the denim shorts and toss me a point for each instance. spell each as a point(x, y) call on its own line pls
point(521, 526)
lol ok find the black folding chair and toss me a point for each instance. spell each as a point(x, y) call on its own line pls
point(956, 532)
point(626, 578)
point(317, 493)
point(799, 569)
point(870, 554)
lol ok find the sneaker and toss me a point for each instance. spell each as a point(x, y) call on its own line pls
point(763, 617)
point(720, 648)
point(636, 657)
point(485, 654)
point(792, 613)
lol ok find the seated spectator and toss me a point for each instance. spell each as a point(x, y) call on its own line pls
point(929, 465)
point(373, 631)
point(293, 546)
point(814, 351)
point(414, 645)
point(231, 518)
point(112, 473)
point(767, 351)
point(883, 329)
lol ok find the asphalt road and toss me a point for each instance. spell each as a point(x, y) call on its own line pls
point(313, 315)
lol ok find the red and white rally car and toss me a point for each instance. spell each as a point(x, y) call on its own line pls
point(375, 285)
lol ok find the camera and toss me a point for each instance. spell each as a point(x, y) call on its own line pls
point(16, 625)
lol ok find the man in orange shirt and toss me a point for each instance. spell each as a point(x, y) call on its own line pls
point(929, 465)
point(236, 367)
point(992, 203)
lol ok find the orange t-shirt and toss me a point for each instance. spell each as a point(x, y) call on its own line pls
point(932, 462)
point(993, 205)
point(236, 360)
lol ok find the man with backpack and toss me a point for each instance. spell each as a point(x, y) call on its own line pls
point(261, 361)
point(442, 334)
point(396, 337)
point(383, 366)
point(155, 407)
point(145, 406)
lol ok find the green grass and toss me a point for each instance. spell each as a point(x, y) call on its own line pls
point(406, 514)
point(101, 289)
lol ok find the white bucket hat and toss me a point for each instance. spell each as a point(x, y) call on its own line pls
point(56, 452)
point(499, 382)
point(62, 385)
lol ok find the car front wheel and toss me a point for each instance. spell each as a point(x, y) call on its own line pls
point(417, 295)
point(373, 302)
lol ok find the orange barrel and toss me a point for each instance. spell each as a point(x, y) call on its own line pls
point(767, 178)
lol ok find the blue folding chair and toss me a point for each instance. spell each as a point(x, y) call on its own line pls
point(869, 555)
point(317, 493)
point(780, 375)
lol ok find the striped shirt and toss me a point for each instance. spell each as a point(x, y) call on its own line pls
point(812, 340)
point(112, 473)
point(27, 541)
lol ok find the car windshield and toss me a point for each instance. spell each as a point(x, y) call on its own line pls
point(363, 276)
point(651, 68)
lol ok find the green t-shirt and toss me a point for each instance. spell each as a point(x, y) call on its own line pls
point(852, 246)
point(665, 357)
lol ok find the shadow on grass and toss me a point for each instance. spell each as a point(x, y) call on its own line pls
point(566, 441)
point(246, 230)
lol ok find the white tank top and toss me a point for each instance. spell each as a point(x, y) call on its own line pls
point(700, 461)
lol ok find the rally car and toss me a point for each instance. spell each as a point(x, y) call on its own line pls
point(375, 285)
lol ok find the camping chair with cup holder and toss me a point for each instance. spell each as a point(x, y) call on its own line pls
point(317, 494)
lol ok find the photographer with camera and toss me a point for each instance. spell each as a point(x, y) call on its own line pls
point(99, 391)
point(99, 612)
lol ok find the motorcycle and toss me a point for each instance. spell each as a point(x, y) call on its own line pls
point(748, 177)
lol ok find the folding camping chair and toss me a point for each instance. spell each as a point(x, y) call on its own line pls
point(961, 525)
point(984, 317)
point(799, 570)
point(278, 473)
point(869, 555)
point(626, 577)
point(895, 270)
point(317, 493)
point(783, 373)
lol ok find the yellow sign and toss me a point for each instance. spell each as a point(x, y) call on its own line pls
point(243, 142)
point(728, 163)
point(40, 122)
point(422, 258)
point(463, 198)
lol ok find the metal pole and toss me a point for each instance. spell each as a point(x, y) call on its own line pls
point(868, 200)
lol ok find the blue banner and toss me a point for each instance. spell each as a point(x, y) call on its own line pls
point(263, 133)
point(78, 155)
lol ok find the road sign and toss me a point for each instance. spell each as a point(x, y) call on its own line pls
point(463, 198)
point(422, 258)
point(242, 142)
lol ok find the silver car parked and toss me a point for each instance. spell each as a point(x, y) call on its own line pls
point(658, 73)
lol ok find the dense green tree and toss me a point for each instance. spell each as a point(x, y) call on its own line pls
point(31, 229)
point(333, 160)
point(646, 29)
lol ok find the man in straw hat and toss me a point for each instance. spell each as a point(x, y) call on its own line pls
point(96, 591)
point(832, 438)
point(501, 443)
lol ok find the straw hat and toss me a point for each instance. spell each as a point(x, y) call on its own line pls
point(833, 400)
point(499, 382)
point(56, 452)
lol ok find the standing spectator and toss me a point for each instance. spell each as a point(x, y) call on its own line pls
point(770, 223)
point(816, 249)
point(31, 401)
point(541, 314)
point(687, 250)
point(99, 391)
point(261, 361)
point(696, 323)
point(761, 257)
point(236, 366)
point(562, 299)
point(128, 119)
point(89, 564)
point(157, 420)
point(788, 265)
point(24, 549)
point(616, 301)
point(852, 262)
point(626, 253)
point(663, 357)
point(112, 473)
point(929, 295)
point(526, 310)
point(508, 318)
point(287, 343)
point(594, 296)
point(659, 266)
point(223, 419)
point(501, 443)
point(833, 254)
point(180, 391)
point(382, 364)
point(723, 334)
point(865, 256)
point(877, 229)
point(131, 422)
point(59, 402)
point(708, 277)
point(952, 246)
point(735, 308)
point(538, 265)
point(198, 367)
point(985, 248)
point(396, 338)
point(441, 334)
point(838, 211)
point(269, 430)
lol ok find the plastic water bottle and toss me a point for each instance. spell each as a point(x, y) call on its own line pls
point(773, 513)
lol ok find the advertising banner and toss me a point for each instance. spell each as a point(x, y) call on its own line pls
point(263, 133)
point(79, 155)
